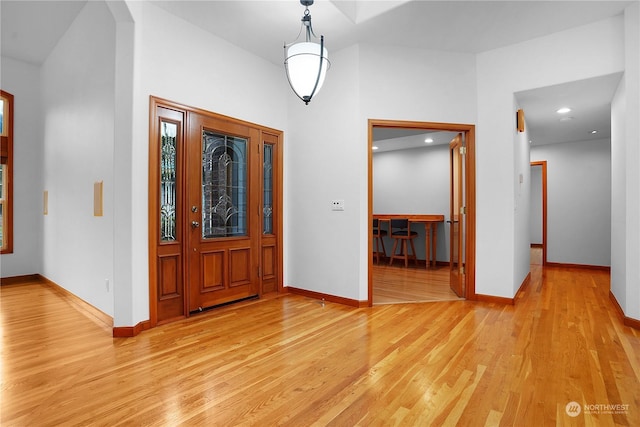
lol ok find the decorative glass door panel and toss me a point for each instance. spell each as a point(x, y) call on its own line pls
point(166, 209)
point(224, 185)
point(271, 245)
point(168, 190)
point(267, 189)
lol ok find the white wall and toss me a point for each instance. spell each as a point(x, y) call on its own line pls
point(414, 181)
point(522, 200)
point(578, 201)
point(23, 81)
point(78, 113)
point(625, 154)
point(324, 161)
point(328, 152)
point(632, 78)
point(535, 216)
point(619, 195)
point(502, 233)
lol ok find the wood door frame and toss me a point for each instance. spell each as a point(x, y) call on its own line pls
point(455, 150)
point(153, 185)
point(469, 132)
point(543, 164)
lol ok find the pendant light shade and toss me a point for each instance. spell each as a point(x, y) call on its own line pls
point(306, 62)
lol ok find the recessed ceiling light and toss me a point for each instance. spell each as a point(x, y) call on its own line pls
point(563, 110)
point(594, 131)
point(428, 140)
point(374, 148)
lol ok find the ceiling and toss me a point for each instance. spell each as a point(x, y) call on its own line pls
point(392, 139)
point(31, 29)
point(589, 118)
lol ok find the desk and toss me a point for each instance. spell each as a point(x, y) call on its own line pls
point(430, 227)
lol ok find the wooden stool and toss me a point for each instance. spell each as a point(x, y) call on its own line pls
point(400, 232)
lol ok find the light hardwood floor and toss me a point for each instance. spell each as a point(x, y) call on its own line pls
point(296, 361)
point(399, 284)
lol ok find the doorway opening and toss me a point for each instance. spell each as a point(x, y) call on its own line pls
point(538, 215)
point(461, 273)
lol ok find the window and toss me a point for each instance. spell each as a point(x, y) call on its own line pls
point(224, 185)
point(6, 172)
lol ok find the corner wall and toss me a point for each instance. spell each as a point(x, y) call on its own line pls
point(78, 113)
point(23, 81)
point(502, 236)
point(625, 154)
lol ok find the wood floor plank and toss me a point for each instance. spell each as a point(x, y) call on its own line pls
point(296, 361)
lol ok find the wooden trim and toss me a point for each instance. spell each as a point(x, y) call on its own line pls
point(470, 200)
point(153, 184)
point(130, 331)
point(182, 107)
point(494, 299)
point(410, 217)
point(326, 297)
point(98, 316)
point(616, 305)
point(154, 203)
point(520, 120)
point(469, 131)
point(370, 215)
point(81, 305)
point(19, 280)
point(632, 323)
point(543, 165)
point(278, 202)
point(8, 184)
point(536, 245)
point(504, 300)
point(523, 287)
point(627, 321)
point(587, 266)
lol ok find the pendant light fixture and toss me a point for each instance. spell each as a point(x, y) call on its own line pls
point(306, 61)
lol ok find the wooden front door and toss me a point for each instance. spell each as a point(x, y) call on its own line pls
point(224, 220)
point(215, 210)
point(456, 256)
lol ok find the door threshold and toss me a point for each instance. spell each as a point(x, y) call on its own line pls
point(224, 304)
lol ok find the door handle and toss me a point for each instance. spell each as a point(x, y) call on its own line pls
point(195, 224)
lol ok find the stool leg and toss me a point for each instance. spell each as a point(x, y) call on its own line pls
point(406, 253)
point(393, 252)
point(413, 250)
